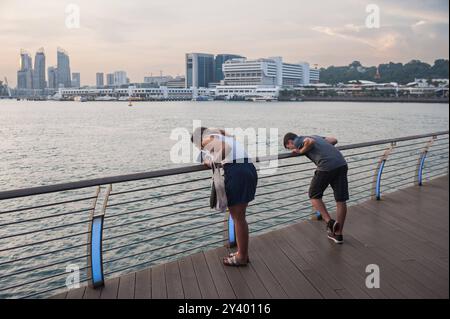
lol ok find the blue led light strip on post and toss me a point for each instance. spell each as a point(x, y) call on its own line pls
point(378, 184)
point(231, 232)
point(97, 278)
point(95, 238)
point(421, 165)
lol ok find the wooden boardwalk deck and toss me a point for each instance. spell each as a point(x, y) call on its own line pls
point(406, 235)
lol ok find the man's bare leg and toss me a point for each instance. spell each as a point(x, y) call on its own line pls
point(341, 213)
point(319, 206)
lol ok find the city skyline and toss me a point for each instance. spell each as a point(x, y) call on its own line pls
point(111, 38)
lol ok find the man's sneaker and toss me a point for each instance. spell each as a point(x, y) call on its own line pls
point(338, 239)
point(332, 227)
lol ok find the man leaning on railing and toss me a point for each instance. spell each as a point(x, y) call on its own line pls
point(331, 170)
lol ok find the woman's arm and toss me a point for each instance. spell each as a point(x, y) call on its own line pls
point(218, 149)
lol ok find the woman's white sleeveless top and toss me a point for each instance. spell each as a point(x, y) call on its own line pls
point(237, 151)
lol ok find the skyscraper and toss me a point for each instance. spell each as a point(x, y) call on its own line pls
point(64, 78)
point(199, 70)
point(109, 79)
point(76, 80)
point(218, 62)
point(25, 73)
point(39, 71)
point(100, 79)
point(52, 76)
point(120, 78)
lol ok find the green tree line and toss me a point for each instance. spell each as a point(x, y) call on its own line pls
point(389, 72)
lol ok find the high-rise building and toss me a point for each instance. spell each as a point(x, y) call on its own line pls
point(100, 79)
point(52, 76)
point(199, 70)
point(109, 79)
point(76, 80)
point(26, 63)
point(64, 78)
point(120, 78)
point(39, 71)
point(219, 60)
point(25, 73)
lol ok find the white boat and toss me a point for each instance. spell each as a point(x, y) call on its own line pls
point(55, 97)
point(203, 98)
point(262, 99)
point(80, 99)
point(105, 98)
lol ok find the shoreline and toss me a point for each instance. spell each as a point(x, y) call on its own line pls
point(376, 100)
point(302, 99)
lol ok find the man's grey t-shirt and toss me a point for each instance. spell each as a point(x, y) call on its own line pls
point(323, 154)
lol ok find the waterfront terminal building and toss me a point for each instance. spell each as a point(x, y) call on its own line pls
point(263, 77)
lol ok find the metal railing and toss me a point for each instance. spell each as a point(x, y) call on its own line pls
point(106, 227)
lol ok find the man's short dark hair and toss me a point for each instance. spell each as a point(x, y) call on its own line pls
point(289, 137)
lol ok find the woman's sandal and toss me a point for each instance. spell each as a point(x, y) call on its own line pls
point(233, 262)
point(235, 254)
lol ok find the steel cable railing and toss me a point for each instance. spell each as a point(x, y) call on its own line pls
point(156, 216)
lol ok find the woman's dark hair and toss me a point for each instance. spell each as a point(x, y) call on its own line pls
point(289, 137)
point(199, 132)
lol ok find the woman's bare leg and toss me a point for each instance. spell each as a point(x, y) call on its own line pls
point(242, 237)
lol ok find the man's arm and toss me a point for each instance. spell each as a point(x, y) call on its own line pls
point(331, 140)
point(308, 144)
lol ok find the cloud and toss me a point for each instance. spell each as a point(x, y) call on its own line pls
point(144, 36)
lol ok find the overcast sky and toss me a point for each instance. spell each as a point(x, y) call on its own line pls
point(146, 36)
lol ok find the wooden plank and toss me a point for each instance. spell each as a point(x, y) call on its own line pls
point(338, 263)
point(254, 283)
point(293, 281)
point(173, 281)
point(386, 244)
point(62, 295)
point(189, 279)
point(111, 288)
point(411, 243)
point(91, 293)
point(205, 282)
point(127, 284)
point(310, 273)
point(159, 287)
point(273, 287)
point(143, 289)
point(238, 283)
point(320, 261)
point(76, 293)
point(218, 275)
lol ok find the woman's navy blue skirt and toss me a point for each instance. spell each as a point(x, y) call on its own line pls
point(240, 183)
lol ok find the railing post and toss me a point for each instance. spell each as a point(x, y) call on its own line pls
point(316, 215)
point(230, 230)
point(376, 185)
point(421, 161)
point(95, 238)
